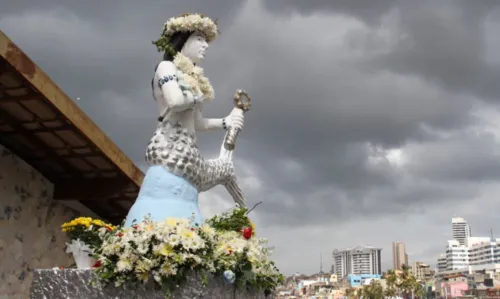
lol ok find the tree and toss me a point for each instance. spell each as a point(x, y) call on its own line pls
point(391, 280)
point(373, 291)
point(350, 293)
point(402, 283)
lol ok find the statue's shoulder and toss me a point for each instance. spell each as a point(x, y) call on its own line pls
point(166, 68)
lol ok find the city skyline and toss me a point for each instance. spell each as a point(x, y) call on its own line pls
point(458, 228)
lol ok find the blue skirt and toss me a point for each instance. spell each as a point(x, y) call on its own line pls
point(164, 195)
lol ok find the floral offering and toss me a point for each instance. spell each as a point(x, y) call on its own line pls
point(241, 256)
point(168, 251)
point(86, 229)
point(164, 251)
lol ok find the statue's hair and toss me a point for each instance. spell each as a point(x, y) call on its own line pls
point(177, 42)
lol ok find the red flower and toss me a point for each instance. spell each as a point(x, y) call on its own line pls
point(119, 235)
point(247, 233)
point(109, 229)
point(135, 226)
point(97, 264)
point(61, 267)
point(230, 251)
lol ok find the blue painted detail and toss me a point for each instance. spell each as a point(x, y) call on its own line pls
point(164, 195)
point(357, 280)
point(164, 80)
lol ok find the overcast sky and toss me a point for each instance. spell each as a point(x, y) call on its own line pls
point(373, 121)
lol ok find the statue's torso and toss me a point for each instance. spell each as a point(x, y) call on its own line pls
point(173, 146)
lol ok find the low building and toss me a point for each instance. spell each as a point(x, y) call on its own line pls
point(358, 280)
point(421, 271)
point(490, 269)
point(454, 286)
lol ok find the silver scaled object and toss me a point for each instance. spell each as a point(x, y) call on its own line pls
point(241, 101)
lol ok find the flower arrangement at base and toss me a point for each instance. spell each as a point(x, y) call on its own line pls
point(164, 251)
point(241, 257)
point(83, 233)
point(168, 251)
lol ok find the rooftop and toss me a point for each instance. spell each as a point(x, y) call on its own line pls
point(43, 126)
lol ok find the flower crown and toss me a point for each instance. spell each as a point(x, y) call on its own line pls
point(186, 23)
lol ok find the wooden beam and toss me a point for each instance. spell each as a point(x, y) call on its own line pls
point(67, 107)
point(89, 189)
point(63, 127)
point(31, 97)
point(14, 147)
point(40, 145)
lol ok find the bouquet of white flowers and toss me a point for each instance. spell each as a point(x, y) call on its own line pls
point(167, 251)
point(164, 251)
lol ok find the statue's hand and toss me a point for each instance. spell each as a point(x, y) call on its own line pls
point(235, 119)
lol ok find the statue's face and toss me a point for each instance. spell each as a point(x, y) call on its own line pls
point(196, 47)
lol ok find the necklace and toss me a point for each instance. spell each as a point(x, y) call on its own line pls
point(193, 75)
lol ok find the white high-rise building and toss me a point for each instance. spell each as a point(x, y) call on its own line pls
point(478, 251)
point(484, 250)
point(457, 256)
point(357, 261)
point(466, 251)
point(460, 230)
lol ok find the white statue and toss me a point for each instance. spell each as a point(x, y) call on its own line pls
point(177, 171)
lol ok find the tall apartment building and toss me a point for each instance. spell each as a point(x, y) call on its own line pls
point(357, 261)
point(460, 230)
point(399, 256)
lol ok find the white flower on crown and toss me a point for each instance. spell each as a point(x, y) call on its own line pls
point(192, 23)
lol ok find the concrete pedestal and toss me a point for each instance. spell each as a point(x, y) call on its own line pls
point(76, 284)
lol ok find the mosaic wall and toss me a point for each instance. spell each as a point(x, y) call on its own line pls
point(30, 220)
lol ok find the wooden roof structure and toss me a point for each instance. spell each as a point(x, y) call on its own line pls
point(44, 127)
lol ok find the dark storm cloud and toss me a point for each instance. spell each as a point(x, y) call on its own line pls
point(445, 42)
point(336, 86)
point(369, 11)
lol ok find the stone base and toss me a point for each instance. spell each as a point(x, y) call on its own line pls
point(76, 284)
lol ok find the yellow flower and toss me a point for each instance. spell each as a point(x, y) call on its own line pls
point(166, 250)
point(172, 221)
point(252, 225)
point(142, 276)
point(85, 222)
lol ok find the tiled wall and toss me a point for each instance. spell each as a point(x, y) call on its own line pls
point(30, 235)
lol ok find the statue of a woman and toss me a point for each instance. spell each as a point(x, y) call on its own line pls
point(177, 172)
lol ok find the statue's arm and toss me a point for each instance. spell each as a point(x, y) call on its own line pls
point(175, 99)
point(206, 124)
